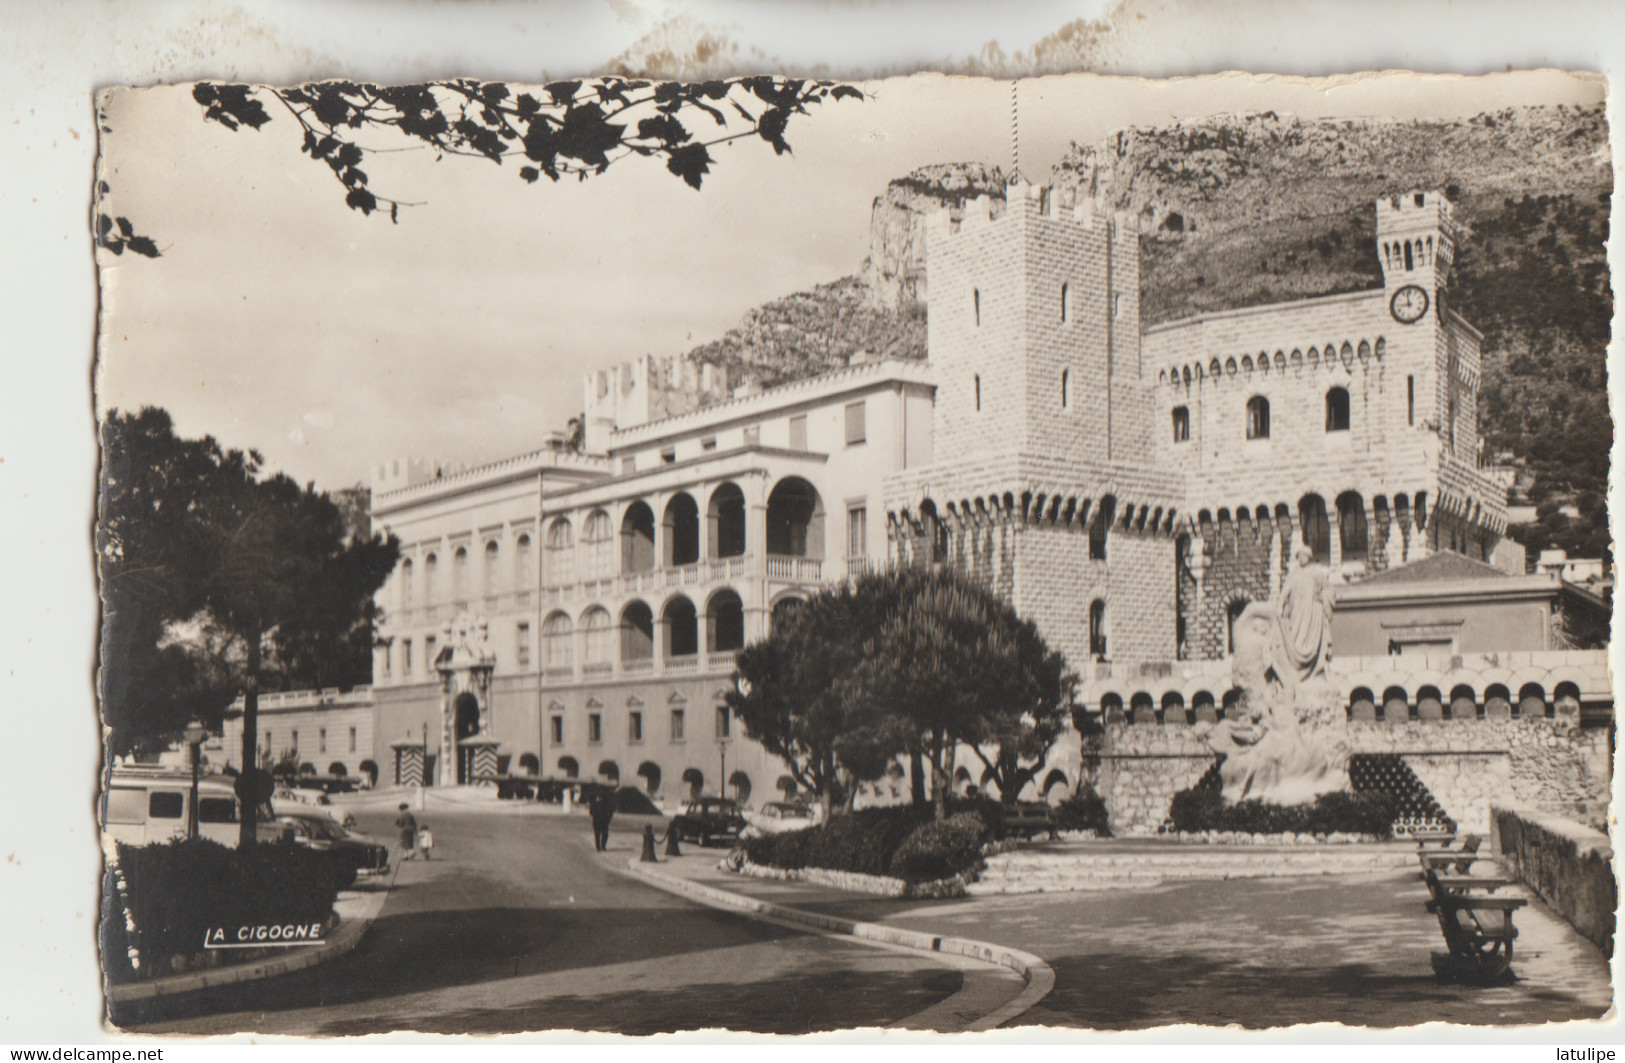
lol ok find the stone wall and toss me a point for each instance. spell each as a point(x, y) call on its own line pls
point(1545, 763)
point(1570, 866)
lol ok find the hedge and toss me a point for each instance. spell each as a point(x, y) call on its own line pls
point(895, 840)
point(1203, 808)
point(941, 848)
point(1083, 809)
point(178, 891)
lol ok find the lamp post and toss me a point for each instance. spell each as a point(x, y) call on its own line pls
point(195, 734)
point(722, 782)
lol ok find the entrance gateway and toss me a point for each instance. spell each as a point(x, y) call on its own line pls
point(465, 665)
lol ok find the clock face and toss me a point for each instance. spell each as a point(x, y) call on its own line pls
point(1409, 304)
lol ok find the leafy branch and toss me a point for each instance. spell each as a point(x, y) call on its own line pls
point(573, 128)
point(118, 235)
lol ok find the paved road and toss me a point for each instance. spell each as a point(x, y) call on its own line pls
point(517, 925)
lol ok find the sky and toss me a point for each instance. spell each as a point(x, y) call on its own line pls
point(331, 342)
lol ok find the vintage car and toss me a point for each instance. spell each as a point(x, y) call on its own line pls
point(780, 817)
point(296, 800)
point(708, 819)
point(316, 831)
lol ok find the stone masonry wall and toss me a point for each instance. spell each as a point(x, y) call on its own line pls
point(1545, 763)
point(1239, 555)
point(1054, 585)
point(1140, 605)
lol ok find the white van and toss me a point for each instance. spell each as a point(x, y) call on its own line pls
point(148, 807)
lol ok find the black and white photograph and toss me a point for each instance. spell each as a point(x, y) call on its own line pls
point(710, 526)
point(785, 555)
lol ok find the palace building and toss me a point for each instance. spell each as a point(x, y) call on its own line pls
point(1130, 489)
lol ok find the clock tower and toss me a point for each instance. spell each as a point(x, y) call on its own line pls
point(1416, 242)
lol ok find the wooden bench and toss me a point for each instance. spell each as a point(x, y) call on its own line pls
point(1424, 838)
point(1477, 928)
point(1461, 859)
point(1027, 819)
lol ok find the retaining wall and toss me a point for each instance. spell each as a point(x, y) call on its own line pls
point(1569, 865)
point(1545, 763)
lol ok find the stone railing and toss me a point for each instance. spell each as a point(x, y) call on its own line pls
point(1569, 865)
point(304, 699)
point(794, 569)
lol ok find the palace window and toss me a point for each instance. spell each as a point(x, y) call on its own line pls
point(493, 578)
point(857, 531)
point(1063, 302)
point(1337, 410)
point(1258, 417)
point(558, 730)
point(724, 722)
point(1410, 400)
point(978, 382)
point(598, 643)
point(976, 303)
point(1066, 379)
point(599, 536)
point(595, 727)
point(1097, 629)
point(855, 429)
point(634, 727)
point(522, 572)
point(561, 553)
point(522, 644)
point(557, 635)
point(1182, 424)
point(679, 724)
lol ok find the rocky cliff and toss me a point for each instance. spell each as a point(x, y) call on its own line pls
point(895, 270)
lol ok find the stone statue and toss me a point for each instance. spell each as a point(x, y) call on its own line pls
point(1305, 621)
point(1276, 745)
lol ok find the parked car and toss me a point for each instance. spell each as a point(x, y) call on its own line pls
point(707, 819)
point(316, 831)
point(290, 799)
point(780, 817)
point(145, 806)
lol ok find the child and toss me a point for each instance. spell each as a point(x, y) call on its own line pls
point(425, 840)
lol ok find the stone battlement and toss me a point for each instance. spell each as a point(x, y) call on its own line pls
point(1025, 202)
point(647, 389)
point(1412, 210)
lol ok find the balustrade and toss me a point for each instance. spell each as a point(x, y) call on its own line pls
point(794, 569)
point(683, 664)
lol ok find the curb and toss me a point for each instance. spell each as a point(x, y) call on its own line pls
point(1040, 977)
point(345, 938)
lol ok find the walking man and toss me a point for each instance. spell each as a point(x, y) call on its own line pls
point(601, 808)
point(408, 826)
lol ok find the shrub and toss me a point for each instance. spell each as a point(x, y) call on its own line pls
point(941, 848)
point(1202, 809)
point(861, 841)
point(985, 808)
point(1083, 809)
point(179, 891)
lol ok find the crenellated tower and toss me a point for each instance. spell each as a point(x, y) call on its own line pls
point(1034, 328)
